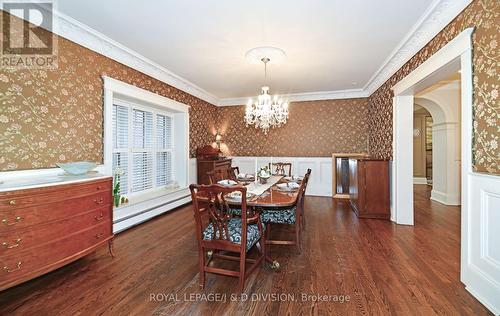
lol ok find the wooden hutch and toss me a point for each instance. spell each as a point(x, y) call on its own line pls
point(208, 159)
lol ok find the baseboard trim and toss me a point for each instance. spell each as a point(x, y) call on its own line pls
point(481, 299)
point(419, 180)
point(444, 198)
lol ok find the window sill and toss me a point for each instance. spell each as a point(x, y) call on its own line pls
point(140, 198)
point(148, 202)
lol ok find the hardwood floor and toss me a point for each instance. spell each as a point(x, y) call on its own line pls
point(382, 267)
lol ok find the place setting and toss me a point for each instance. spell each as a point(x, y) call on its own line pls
point(245, 177)
point(287, 186)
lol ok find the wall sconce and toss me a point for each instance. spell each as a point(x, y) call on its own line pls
point(218, 139)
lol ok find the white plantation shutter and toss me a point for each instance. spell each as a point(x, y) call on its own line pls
point(164, 168)
point(120, 144)
point(142, 162)
point(120, 127)
point(142, 147)
point(142, 171)
point(164, 149)
point(143, 128)
point(164, 131)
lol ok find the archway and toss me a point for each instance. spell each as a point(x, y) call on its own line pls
point(446, 160)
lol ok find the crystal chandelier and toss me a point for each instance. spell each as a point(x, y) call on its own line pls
point(266, 111)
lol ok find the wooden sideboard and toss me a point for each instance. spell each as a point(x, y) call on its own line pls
point(207, 159)
point(42, 229)
point(204, 166)
point(369, 188)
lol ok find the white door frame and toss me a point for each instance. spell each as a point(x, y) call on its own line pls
point(480, 193)
point(457, 50)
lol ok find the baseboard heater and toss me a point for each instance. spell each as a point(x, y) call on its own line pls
point(142, 215)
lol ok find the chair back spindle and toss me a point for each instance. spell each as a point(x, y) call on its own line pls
point(281, 168)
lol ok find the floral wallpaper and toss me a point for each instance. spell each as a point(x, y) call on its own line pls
point(484, 16)
point(51, 116)
point(314, 129)
point(57, 116)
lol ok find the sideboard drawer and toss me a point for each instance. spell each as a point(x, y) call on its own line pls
point(37, 196)
point(222, 164)
point(35, 215)
point(44, 228)
point(15, 241)
point(29, 262)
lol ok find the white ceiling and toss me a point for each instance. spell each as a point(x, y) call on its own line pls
point(331, 45)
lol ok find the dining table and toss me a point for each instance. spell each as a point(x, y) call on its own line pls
point(268, 196)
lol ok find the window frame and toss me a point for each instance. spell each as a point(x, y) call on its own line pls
point(118, 92)
point(153, 150)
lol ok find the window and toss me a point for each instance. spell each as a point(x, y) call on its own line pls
point(142, 146)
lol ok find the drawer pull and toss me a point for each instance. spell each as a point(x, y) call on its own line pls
point(17, 243)
point(99, 218)
point(12, 202)
point(16, 220)
point(99, 200)
point(98, 187)
point(99, 236)
point(9, 270)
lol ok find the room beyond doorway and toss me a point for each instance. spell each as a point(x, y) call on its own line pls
point(436, 139)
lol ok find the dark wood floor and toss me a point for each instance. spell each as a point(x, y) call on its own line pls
point(382, 267)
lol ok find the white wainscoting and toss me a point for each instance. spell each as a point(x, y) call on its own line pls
point(481, 255)
point(320, 183)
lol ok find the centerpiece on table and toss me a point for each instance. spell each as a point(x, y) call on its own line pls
point(264, 174)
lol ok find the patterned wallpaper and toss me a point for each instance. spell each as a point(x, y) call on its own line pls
point(314, 129)
point(56, 116)
point(484, 15)
point(51, 116)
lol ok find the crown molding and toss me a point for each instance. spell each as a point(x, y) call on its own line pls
point(83, 35)
point(307, 96)
point(439, 14)
point(435, 18)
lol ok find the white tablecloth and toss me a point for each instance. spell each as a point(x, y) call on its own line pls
point(257, 188)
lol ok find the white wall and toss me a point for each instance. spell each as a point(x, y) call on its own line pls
point(320, 183)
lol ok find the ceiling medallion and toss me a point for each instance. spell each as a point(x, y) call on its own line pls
point(266, 111)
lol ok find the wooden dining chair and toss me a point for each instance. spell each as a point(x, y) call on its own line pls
point(279, 168)
point(222, 233)
point(305, 181)
point(216, 175)
point(292, 216)
point(233, 174)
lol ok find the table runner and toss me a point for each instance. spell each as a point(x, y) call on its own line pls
point(257, 188)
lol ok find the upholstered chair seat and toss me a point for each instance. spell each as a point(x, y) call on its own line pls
point(279, 216)
point(234, 211)
point(234, 230)
point(221, 233)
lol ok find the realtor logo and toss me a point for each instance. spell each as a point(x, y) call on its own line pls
point(27, 38)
